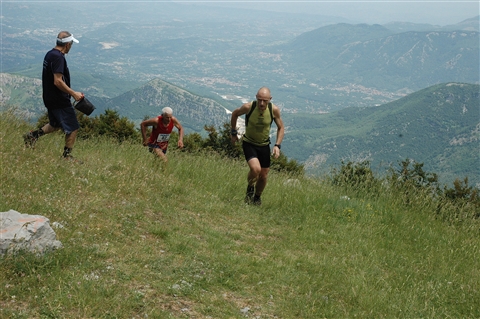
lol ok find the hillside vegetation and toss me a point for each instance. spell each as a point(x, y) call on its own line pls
point(438, 126)
point(146, 240)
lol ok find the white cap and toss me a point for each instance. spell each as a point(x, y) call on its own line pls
point(67, 39)
point(167, 110)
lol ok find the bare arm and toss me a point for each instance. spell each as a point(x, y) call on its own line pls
point(180, 131)
point(62, 86)
point(143, 126)
point(280, 130)
point(244, 109)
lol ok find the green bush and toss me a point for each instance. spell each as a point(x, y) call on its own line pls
point(220, 142)
point(109, 124)
point(412, 187)
point(283, 164)
point(412, 173)
point(354, 175)
point(112, 125)
point(462, 202)
point(192, 143)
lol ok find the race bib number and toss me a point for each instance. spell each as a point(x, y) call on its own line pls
point(163, 138)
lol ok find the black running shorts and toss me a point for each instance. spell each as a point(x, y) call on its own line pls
point(260, 152)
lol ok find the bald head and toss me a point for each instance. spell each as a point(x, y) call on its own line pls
point(264, 91)
point(263, 98)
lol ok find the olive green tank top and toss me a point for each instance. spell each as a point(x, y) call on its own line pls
point(257, 125)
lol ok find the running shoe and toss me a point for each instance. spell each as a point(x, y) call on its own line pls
point(72, 159)
point(30, 140)
point(257, 201)
point(249, 195)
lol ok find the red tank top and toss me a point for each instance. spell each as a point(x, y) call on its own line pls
point(161, 134)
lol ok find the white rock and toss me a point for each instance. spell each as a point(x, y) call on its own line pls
point(26, 232)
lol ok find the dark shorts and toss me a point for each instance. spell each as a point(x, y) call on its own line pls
point(152, 146)
point(64, 118)
point(260, 152)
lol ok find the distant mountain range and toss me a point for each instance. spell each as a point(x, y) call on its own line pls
point(373, 56)
point(381, 84)
point(438, 126)
point(312, 63)
point(147, 101)
point(192, 110)
point(465, 25)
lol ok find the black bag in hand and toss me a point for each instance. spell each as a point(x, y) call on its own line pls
point(84, 106)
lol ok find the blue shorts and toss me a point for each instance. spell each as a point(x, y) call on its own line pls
point(152, 146)
point(64, 118)
point(262, 153)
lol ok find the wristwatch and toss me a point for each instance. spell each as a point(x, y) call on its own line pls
point(278, 145)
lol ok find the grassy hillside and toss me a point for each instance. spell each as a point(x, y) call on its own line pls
point(143, 240)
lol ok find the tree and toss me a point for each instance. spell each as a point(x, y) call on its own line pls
point(112, 125)
point(109, 124)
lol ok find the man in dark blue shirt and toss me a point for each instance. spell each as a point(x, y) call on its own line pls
point(57, 96)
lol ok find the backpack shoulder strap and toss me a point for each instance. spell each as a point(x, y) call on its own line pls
point(254, 105)
point(270, 108)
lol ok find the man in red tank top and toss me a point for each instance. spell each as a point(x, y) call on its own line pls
point(162, 127)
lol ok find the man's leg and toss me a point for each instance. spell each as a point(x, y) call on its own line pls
point(69, 142)
point(252, 178)
point(254, 172)
point(47, 128)
point(70, 139)
point(69, 122)
point(260, 186)
point(264, 167)
point(32, 137)
point(261, 182)
point(159, 152)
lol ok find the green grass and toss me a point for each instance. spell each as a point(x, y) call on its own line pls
point(142, 239)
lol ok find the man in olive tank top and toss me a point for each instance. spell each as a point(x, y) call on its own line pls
point(259, 116)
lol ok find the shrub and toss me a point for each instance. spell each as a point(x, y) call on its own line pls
point(112, 125)
point(460, 203)
point(192, 143)
point(220, 142)
point(354, 175)
point(412, 173)
point(109, 124)
point(283, 164)
point(413, 184)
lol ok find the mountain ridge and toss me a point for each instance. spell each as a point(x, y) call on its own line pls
point(438, 126)
point(373, 56)
point(149, 99)
point(381, 134)
point(218, 58)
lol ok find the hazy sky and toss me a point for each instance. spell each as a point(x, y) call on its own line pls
point(438, 12)
point(372, 11)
